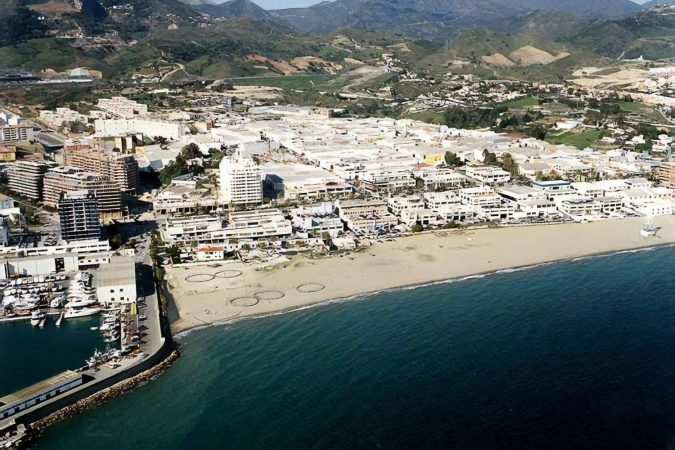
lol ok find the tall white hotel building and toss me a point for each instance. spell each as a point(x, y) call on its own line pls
point(240, 181)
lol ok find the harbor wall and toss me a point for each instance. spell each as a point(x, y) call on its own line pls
point(97, 392)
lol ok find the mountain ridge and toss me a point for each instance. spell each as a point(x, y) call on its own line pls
point(330, 16)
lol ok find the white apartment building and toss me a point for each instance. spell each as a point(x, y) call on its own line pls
point(317, 225)
point(519, 193)
point(435, 178)
point(579, 206)
point(488, 174)
point(122, 107)
point(537, 207)
point(153, 128)
point(366, 215)
point(457, 213)
point(183, 201)
point(240, 181)
point(61, 116)
point(424, 217)
point(482, 196)
point(657, 208)
point(398, 204)
point(16, 133)
point(503, 211)
point(241, 225)
point(590, 190)
point(436, 200)
point(610, 205)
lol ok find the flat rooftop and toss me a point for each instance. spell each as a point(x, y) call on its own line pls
point(31, 391)
point(119, 271)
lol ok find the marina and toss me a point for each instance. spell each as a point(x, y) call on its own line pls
point(122, 346)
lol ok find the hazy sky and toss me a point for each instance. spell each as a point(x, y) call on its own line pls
point(279, 4)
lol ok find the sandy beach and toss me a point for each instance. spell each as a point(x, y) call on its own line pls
point(212, 293)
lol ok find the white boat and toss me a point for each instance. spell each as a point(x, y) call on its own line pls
point(36, 317)
point(81, 302)
point(107, 326)
point(111, 337)
point(81, 312)
point(57, 302)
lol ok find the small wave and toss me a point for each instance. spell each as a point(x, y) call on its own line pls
point(367, 295)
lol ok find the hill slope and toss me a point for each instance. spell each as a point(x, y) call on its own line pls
point(245, 9)
point(650, 34)
point(398, 14)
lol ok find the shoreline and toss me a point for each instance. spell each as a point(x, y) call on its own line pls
point(208, 303)
point(178, 334)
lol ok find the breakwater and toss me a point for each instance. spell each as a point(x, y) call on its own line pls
point(149, 369)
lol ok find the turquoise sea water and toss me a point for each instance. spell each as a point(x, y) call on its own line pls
point(29, 354)
point(573, 355)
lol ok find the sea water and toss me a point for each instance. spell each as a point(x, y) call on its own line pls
point(572, 355)
point(29, 354)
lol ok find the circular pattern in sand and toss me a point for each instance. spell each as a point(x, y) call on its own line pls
point(268, 295)
point(228, 274)
point(244, 302)
point(199, 278)
point(308, 288)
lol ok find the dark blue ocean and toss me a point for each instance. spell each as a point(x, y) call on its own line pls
point(572, 355)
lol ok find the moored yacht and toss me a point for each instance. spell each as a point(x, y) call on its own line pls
point(36, 317)
point(72, 312)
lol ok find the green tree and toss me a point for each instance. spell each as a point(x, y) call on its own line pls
point(452, 159)
point(417, 228)
point(538, 132)
point(509, 164)
point(489, 158)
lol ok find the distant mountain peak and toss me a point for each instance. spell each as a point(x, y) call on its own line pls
point(235, 8)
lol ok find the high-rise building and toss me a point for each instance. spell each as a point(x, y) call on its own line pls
point(240, 181)
point(120, 169)
point(66, 179)
point(79, 217)
point(666, 174)
point(26, 178)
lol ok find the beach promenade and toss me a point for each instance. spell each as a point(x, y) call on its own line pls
point(213, 293)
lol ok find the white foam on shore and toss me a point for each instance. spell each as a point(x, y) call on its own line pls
point(367, 295)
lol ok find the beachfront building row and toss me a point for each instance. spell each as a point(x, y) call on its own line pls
point(184, 200)
point(239, 226)
point(366, 216)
